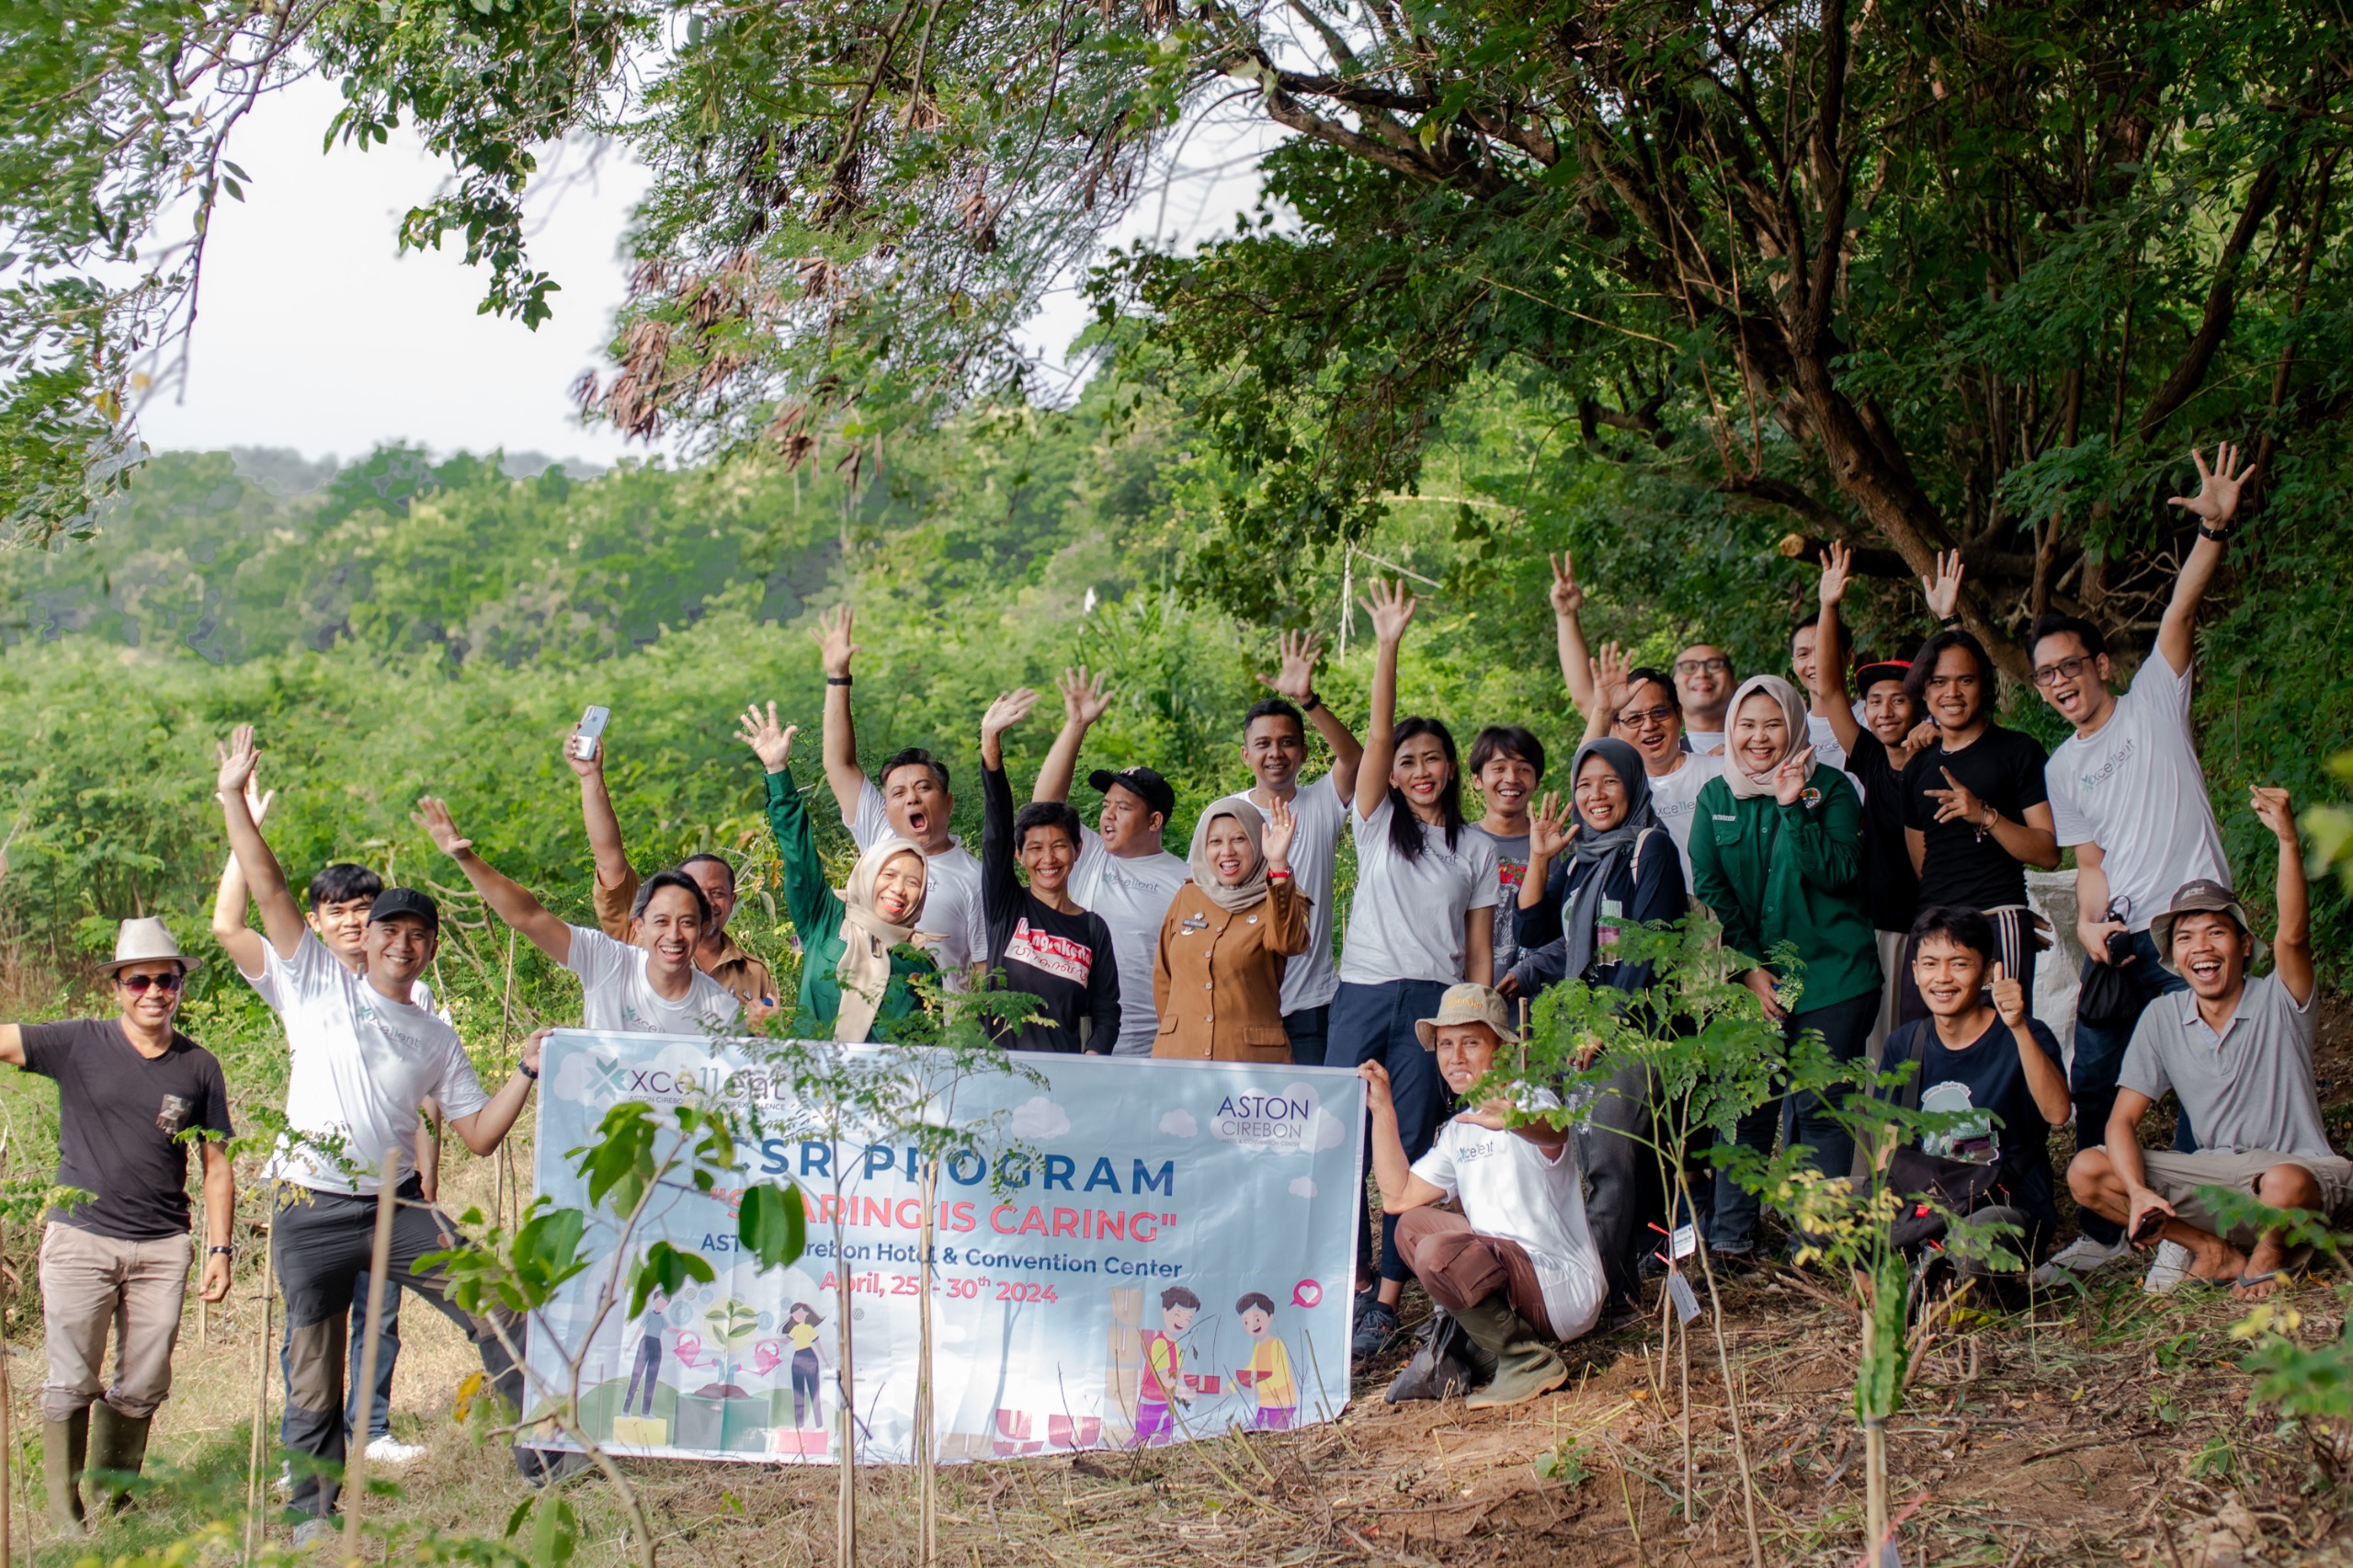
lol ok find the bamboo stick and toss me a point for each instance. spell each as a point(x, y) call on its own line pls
point(261, 1379)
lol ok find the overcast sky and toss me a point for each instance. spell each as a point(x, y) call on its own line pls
point(315, 333)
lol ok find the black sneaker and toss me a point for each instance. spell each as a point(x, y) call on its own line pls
point(545, 1467)
point(1376, 1326)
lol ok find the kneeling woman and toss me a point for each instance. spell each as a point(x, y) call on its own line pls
point(1218, 978)
point(859, 947)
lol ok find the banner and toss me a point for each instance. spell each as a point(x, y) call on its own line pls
point(1137, 1252)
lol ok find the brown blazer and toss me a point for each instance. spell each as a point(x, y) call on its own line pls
point(1217, 981)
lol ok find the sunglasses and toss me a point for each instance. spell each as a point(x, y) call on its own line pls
point(138, 984)
point(2066, 669)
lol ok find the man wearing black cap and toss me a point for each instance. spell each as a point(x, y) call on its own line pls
point(2238, 1050)
point(369, 1059)
point(1123, 874)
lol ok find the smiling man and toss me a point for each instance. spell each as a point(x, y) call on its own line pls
point(2238, 1050)
point(1507, 764)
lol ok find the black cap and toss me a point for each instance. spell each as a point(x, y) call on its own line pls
point(1155, 791)
point(406, 901)
point(1869, 673)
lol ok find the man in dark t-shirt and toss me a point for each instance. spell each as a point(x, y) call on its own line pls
point(133, 1092)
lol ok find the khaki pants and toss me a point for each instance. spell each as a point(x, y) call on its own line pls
point(2175, 1178)
point(1459, 1267)
point(90, 1284)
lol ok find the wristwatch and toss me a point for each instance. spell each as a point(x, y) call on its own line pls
point(2217, 535)
point(1310, 703)
point(220, 1252)
point(527, 1071)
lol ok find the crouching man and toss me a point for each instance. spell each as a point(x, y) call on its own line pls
point(2238, 1050)
point(1516, 1266)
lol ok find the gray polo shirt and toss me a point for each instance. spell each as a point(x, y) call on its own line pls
point(2247, 1091)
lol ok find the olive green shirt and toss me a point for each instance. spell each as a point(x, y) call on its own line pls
point(1794, 874)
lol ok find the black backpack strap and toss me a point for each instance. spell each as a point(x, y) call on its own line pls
point(1909, 1097)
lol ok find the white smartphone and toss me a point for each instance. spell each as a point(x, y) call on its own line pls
point(592, 725)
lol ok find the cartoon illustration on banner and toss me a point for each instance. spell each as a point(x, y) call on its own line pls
point(1132, 1252)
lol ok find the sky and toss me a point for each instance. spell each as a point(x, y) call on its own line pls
point(314, 333)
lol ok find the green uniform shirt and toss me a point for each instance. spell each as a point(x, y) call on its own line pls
point(817, 914)
point(1775, 874)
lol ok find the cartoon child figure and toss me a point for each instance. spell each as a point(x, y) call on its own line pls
point(801, 1328)
point(1268, 1376)
point(1163, 1366)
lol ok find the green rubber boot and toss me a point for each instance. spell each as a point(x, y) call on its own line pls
point(63, 1445)
point(117, 1450)
point(1525, 1366)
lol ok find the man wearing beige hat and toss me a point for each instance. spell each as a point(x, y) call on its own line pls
point(131, 1091)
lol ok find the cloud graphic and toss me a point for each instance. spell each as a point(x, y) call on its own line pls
point(1038, 1119)
point(576, 1075)
point(1180, 1123)
point(1304, 1186)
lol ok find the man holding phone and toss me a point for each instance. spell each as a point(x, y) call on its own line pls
point(716, 953)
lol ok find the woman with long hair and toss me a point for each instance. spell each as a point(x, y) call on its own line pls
point(808, 1365)
point(1422, 919)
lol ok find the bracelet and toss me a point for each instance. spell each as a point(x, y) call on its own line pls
point(1950, 622)
point(220, 1252)
point(837, 680)
point(1279, 876)
point(527, 1071)
point(1310, 703)
point(2217, 535)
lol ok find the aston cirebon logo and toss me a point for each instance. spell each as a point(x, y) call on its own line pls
point(1286, 1119)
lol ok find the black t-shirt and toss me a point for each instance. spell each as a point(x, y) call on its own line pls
point(1987, 1077)
point(2001, 768)
point(118, 1116)
point(1889, 885)
point(1064, 960)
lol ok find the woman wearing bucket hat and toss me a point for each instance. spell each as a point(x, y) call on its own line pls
point(128, 1088)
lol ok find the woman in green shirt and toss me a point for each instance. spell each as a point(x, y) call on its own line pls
point(856, 956)
point(1777, 852)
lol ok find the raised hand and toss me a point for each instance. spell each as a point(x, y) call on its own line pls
point(585, 767)
point(1084, 700)
point(1552, 828)
point(1283, 824)
point(238, 759)
point(1392, 609)
point(1788, 780)
point(1943, 590)
point(1007, 711)
point(2009, 997)
point(2273, 809)
point(771, 742)
point(433, 815)
point(257, 806)
point(1835, 560)
point(1296, 679)
point(1376, 1087)
point(2217, 501)
point(1609, 671)
point(1955, 802)
point(832, 635)
point(1568, 595)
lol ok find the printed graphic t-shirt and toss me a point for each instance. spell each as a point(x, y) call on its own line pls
point(1511, 871)
point(1674, 796)
point(119, 1117)
point(1986, 1080)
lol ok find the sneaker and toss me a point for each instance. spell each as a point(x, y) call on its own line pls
point(546, 1467)
point(1376, 1326)
point(284, 1485)
point(2168, 1269)
point(318, 1527)
point(2082, 1255)
point(389, 1450)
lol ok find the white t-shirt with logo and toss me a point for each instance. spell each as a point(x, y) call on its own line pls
point(1406, 920)
point(1132, 894)
point(1507, 1188)
point(360, 1067)
point(1676, 796)
point(1699, 743)
point(616, 995)
point(951, 893)
point(2134, 787)
point(1321, 814)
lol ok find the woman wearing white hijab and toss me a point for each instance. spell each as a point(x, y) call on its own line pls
point(1217, 979)
point(1777, 852)
point(858, 947)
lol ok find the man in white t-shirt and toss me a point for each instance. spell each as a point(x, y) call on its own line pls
point(1514, 1265)
point(1274, 747)
point(908, 798)
point(365, 1058)
point(1124, 873)
point(2128, 794)
point(1642, 707)
point(1805, 658)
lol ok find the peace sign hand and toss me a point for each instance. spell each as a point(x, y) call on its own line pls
point(1790, 778)
point(1957, 803)
point(1568, 595)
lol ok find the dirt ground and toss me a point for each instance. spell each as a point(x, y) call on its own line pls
point(2105, 1425)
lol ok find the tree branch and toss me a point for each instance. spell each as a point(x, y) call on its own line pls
point(2222, 304)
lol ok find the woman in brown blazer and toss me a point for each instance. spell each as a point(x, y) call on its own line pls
point(1217, 983)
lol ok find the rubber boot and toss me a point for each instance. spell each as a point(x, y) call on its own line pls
point(1525, 1366)
point(117, 1450)
point(1438, 1369)
point(63, 1445)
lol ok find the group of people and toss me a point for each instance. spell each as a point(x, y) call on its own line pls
point(1861, 833)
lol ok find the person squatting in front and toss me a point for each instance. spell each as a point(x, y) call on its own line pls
point(1513, 1266)
point(360, 1080)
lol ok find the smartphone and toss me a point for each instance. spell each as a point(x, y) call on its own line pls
point(2151, 1223)
point(592, 725)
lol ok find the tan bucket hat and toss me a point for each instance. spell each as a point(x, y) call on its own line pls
point(1467, 1005)
point(147, 941)
point(2202, 896)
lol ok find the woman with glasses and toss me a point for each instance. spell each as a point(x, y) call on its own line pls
point(1641, 707)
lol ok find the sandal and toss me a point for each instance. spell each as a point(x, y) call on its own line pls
point(2247, 1282)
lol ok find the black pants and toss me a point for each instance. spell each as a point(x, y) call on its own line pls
point(648, 1370)
point(1621, 1169)
point(321, 1245)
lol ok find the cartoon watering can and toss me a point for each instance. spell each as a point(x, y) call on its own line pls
point(768, 1355)
point(690, 1350)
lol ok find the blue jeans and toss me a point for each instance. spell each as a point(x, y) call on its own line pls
point(2099, 1057)
point(1311, 1034)
point(1375, 1023)
point(1845, 1030)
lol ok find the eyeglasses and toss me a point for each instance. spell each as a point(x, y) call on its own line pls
point(1647, 717)
point(137, 984)
point(1714, 666)
point(2066, 669)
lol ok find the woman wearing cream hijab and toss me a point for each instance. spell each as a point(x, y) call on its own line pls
point(1217, 980)
point(859, 947)
point(1777, 852)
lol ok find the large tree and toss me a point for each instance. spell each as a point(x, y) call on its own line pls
point(1931, 276)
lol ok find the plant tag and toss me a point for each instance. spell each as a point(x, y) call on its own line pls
point(1679, 1289)
point(1888, 1556)
point(1686, 1241)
